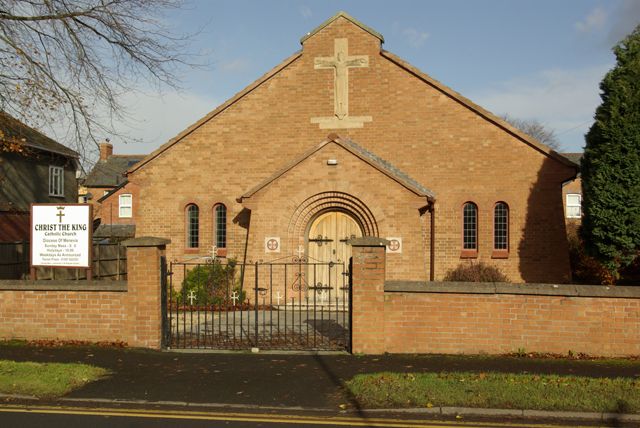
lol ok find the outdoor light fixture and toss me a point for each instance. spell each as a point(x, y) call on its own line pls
point(332, 161)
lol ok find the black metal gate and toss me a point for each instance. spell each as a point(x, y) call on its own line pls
point(221, 304)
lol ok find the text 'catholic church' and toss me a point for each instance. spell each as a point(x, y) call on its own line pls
point(344, 139)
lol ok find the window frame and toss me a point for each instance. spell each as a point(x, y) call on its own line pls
point(501, 253)
point(188, 228)
point(56, 180)
point(216, 230)
point(567, 205)
point(468, 253)
point(121, 205)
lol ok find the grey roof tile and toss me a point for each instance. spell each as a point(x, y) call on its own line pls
point(110, 172)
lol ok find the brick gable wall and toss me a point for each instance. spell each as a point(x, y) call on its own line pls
point(434, 138)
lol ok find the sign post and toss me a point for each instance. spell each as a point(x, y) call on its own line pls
point(61, 237)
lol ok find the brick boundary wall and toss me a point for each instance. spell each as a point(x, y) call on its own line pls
point(127, 311)
point(473, 318)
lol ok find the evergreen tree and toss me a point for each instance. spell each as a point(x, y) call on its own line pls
point(611, 164)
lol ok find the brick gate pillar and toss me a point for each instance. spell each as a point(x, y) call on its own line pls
point(367, 291)
point(144, 319)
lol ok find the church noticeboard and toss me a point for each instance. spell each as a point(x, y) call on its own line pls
point(61, 235)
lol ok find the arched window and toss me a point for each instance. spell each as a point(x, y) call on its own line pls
point(193, 226)
point(501, 227)
point(220, 225)
point(470, 227)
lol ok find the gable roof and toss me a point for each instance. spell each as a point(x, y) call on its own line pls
point(487, 115)
point(367, 156)
point(13, 128)
point(111, 172)
point(222, 107)
point(348, 17)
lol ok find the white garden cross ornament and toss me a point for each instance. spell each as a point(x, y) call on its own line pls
point(235, 297)
point(191, 297)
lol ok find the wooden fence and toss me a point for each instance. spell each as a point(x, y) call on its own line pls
point(109, 263)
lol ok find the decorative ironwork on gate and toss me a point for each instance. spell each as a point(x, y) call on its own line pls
point(291, 304)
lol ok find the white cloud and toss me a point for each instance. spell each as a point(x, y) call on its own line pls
point(595, 21)
point(415, 37)
point(562, 99)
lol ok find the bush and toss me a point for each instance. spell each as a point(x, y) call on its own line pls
point(586, 269)
point(211, 284)
point(476, 272)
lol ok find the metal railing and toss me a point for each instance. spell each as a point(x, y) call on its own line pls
point(296, 305)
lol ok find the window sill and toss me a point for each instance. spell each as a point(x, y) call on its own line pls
point(500, 254)
point(56, 196)
point(192, 250)
point(469, 254)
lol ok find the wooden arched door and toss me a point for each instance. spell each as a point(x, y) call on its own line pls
point(327, 242)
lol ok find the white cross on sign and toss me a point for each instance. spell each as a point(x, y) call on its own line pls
point(191, 297)
point(278, 297)
point(235, 297)
point(340, 63)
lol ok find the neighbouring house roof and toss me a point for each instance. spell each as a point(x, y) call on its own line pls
point(573, 157)
point(111, 172)
point(114, 190)
point(348, 17)
point(14, 129)
point(369, 157)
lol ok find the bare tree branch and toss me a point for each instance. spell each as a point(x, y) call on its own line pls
point(71, 60)
point(535, 129)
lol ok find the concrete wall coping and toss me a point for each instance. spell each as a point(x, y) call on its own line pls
point(368, 241)
point(146, 241)
point(569, 290)
point(67, 285)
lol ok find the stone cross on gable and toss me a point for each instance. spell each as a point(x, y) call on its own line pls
point(340, 63)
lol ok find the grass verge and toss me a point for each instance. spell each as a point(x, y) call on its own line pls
point(45, 380)
point(496, 390)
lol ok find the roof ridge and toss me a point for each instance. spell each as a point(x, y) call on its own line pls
point(345, 15)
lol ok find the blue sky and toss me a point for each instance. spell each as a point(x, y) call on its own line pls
point(531, 59)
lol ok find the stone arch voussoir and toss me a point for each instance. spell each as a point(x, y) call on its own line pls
point(331, 201)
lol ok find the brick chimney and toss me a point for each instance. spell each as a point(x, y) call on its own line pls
point(106, 149)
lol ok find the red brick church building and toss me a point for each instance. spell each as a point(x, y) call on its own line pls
point(345, 139)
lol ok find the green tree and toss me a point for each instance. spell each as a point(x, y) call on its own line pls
point(611, 164)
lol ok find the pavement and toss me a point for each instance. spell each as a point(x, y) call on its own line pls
point(269, 381)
